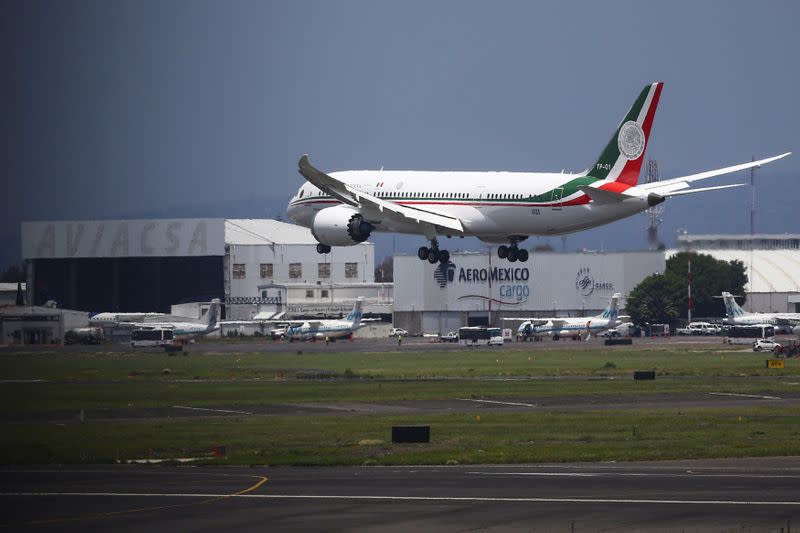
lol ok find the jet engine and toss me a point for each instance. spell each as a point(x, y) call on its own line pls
point(340, 225)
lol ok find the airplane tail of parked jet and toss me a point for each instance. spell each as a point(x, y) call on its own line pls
point(611, 312)
point(213, 315)
point(355, 315)
point(732, 309)
point(621, 160)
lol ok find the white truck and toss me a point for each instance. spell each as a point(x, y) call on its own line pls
point(698, 328)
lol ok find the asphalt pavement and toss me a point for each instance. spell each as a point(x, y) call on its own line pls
point(759, 494)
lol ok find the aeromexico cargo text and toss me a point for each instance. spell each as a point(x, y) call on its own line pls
point(494, 274)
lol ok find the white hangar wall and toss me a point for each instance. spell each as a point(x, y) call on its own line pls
point(478, 288)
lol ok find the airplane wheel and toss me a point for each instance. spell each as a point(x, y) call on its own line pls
point(513, 254)
point(433, 256)
point(523, 255)
point(502, 251)
point(423, 252)
point(323, 248)
point(444, 257)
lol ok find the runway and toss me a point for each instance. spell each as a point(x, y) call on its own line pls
point(760, 494)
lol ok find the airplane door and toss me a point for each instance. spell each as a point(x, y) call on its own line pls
point(558, 193)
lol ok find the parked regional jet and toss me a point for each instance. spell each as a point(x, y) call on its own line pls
point(570, 327)
point(332, 329)
point(344, 208)
point(175, 335)
point(735, 315)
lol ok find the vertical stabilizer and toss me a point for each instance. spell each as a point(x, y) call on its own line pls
point(732, 309)
point(355, 315)
point(213, 314)
point(621, 160)
point(611, 311)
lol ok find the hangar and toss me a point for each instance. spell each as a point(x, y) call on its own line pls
point(771, 262)
point(149, 265)
point(477, 289)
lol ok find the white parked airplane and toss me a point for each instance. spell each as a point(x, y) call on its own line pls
point(735, 315)
point(100, 319)
point(344, 208)
point(570, 327)
point(332, 329)
point(175, 335)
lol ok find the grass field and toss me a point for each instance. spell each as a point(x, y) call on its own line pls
point(130, 381)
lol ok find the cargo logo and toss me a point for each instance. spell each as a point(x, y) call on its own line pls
point(444, 274)
point(585, 283)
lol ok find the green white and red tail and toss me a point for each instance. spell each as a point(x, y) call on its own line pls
point(621, 161)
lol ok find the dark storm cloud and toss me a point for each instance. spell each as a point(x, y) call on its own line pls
point(129, 109)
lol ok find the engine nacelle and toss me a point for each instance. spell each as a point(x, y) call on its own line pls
point(340, 225)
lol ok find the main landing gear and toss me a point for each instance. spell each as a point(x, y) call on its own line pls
point(512, 253)
point(323, 248)
point(433, 254)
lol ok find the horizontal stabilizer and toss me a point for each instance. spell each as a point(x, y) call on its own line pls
point(602, 196)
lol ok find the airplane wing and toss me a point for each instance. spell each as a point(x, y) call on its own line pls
point(361, 200)
point(790, 319)
point(534, 321)
point(671, 187)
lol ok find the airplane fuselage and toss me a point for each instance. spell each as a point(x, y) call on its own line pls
point(573, 327)
point(332, 330)
point(490, 205)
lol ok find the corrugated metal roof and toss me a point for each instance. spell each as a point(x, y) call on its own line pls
point(767, 270)
point(265, 231)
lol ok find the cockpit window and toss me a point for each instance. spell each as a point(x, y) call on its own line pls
point(301, 193)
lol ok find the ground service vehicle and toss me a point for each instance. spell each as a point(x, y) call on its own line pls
point(750, 334)
point(480, 336)
point(766, 345)
point(398, 332)
point(698, 328)
point(451, 336)
point(143, 337)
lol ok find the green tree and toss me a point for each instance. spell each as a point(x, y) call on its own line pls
point(661, 298)
point(709, 278)
point(652, 301)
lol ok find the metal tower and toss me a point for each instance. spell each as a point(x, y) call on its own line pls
point(656, 211)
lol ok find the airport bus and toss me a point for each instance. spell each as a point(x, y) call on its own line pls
point(480, 336)
point(750, 333)
point(142, 337)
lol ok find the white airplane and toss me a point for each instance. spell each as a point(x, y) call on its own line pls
point(344, 208)
point(570, 327)
point(122, 318)
point(735, 315)
point(175, 335)
point(332, 329)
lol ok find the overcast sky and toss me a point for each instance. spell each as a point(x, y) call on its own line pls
point(191, 109)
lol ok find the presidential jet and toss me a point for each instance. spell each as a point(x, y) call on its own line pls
point(344, 208)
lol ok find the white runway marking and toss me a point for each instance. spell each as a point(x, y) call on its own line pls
point(212, 410)
point(407, 498)
point(758, 396)
point(516, 404)
point(634, 474)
